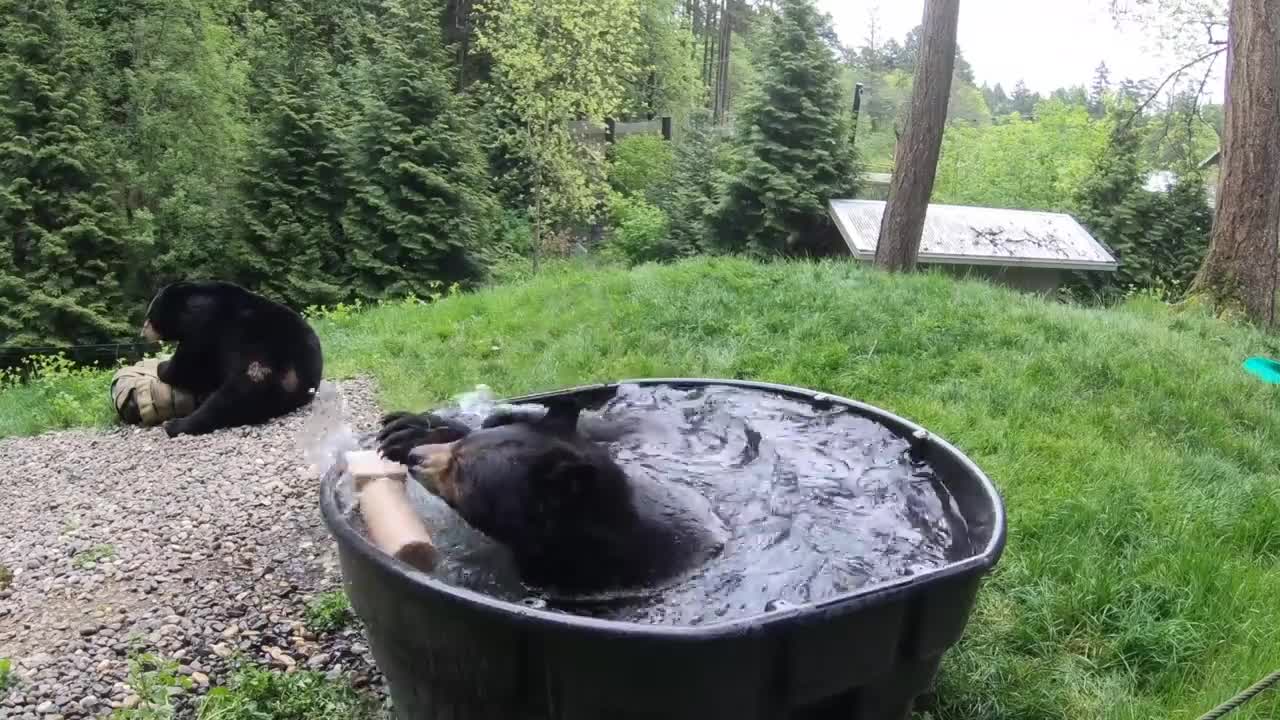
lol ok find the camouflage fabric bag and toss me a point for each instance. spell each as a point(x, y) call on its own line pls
point(141, 399)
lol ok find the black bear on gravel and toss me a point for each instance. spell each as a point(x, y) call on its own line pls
point(572, 519)
point(255, 359)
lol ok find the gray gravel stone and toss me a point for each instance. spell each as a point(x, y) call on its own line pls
point(216, 545)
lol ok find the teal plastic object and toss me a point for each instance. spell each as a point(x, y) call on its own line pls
point(1265, 369)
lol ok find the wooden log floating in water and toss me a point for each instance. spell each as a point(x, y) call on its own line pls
point(394, 526)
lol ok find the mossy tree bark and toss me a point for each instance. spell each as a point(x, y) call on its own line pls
point(1241, 265)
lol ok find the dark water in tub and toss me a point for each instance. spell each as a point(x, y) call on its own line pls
point(817, 502)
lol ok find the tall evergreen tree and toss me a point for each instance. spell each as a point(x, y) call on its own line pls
point(292, 244)
point(792, 150)
point(1159, 237)
point(911, 55)
point(1023, 101)
point(175, 96)
point(62, 248)
point(295, 196)
point(997, 100)
point(421, 203)
point(691, 198)
point(894, 56)
point(1103, 204)
point(1099, 90)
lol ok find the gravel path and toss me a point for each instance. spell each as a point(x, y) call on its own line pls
point(193, 547)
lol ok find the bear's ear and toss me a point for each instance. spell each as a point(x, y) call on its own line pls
point(511, 416)
point(562, 415)
point(178, 292)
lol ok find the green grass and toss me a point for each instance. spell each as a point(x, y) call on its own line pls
point(250, 693)
point(157, 682)
point(1138, 462)
point(6, 577)
point(329, 611)
point(87, 559)
point(50, 393)
point(6, 675)
point(254, 693)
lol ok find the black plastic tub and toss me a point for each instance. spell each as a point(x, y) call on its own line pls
point(450, 653)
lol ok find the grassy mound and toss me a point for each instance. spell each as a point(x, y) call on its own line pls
point(1142, 575)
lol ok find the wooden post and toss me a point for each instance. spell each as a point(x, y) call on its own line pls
point(610, 130)
point(666, 127)
point(915, 161)
point(857, 109)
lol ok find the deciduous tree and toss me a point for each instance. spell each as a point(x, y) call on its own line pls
point(555, 61)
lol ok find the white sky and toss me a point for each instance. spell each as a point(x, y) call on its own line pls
point(1047, 43)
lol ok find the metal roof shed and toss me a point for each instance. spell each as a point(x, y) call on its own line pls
point(1025, 249)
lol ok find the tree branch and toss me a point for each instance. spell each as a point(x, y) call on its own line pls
point(1172, 76)
point(1208, 29)
point(1195, 103)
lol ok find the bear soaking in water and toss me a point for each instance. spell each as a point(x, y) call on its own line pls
point(572, 519)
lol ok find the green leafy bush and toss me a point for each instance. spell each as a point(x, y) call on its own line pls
point(63, 393)
point(157, 683)
point(1036, 164)
point(509, 258)
point(328, 612)
point(640, 232)
point(641, 166)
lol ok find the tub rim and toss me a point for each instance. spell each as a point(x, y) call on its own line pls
point(422, 584)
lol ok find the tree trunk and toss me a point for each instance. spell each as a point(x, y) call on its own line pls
point(457, 32)
point(1240, 266)
point(915, 161)
point(708, 45)
point(722, 64)
point(536, 154)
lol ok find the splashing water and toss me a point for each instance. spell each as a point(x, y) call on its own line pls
point(473, 407)
point(327, 434)
point(480, 401)
point(467, 557)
